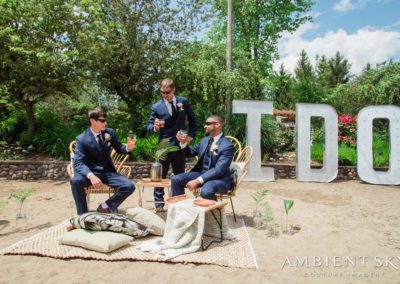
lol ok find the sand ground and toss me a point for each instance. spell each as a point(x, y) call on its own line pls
point(349, 233)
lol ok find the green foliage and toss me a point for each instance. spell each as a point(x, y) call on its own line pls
point(286, 140)
point(12, 126)
point(266, 211)
point(381, 151)
point(269, 131)
point(22, 195)
point(132, 45)
point(37, 51)
point(163, 149)
point(53, 137)
point(258, 25)
point(280, 90)
point(288, 204)
point(375, 86)
point(202, 78)
point(347, 155)
point(145, 148)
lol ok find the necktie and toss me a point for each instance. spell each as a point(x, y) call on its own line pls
point(99, 139)
point(173, 108)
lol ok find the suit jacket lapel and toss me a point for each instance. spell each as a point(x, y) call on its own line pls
point(201, 154)
point(164, 106)
point(93, 140)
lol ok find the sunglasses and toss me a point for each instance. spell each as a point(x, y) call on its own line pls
point(210, 122)
point(165, 92)
point(101, 120)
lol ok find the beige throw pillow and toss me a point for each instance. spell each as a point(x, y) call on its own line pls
point(154, 223)
point(100, 241)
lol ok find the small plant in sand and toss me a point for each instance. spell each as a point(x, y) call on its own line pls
point(21, 197)
point(287, 204)
point(263, 214)
point(2, 204)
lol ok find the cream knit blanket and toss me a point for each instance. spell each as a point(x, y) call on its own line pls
point(183, 232)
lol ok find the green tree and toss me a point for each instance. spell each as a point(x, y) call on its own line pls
point(281, 89)
point(339, 70)
point(133, 45)
point(379, 85)
point(307, 88)
point(201, 77)
point(258, 25)
point(37, 53)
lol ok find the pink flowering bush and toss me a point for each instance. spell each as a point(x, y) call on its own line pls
point(347, 129)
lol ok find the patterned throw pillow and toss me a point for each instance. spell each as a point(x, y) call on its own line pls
point(109, 222)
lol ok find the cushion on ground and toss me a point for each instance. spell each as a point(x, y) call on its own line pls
point(95, 240)
point(154, 223)
point(109, 222)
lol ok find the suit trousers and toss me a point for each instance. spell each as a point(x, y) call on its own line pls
point(123, 186)
point(177, 161)
point(208, 189)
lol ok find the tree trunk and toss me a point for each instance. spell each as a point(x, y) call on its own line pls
point(228, 97)
point(31, 118)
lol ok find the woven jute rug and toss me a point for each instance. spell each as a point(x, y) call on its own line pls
point(238, 253)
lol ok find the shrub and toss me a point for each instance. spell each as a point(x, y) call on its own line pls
point(269, 131)
point(347, 132)
point(12, 126)
point(52, 136)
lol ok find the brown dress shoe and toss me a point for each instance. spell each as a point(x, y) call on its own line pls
point(103, 210)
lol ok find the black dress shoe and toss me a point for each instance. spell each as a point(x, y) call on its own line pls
point(103, 210)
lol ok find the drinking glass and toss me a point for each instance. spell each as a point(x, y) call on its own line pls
point(132, 136)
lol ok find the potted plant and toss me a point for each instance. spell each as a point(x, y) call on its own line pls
point(161, 152)
point(21, 197)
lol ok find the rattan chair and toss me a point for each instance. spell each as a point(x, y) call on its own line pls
point(244, 157)
point(237, 145)
point(118, 160)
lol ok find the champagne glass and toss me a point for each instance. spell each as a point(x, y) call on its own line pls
point(182, 133)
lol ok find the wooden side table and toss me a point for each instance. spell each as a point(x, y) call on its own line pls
point(147, 182)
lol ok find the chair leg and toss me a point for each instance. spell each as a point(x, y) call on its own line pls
point(233, 210)
point(88, 200)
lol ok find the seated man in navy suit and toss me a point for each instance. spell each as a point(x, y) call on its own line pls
point(211, 172)
point(168, 116)
point(93, 164)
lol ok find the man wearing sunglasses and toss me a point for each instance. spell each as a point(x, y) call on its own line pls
point(93, 165)
point(211, 172)
point(169, 115)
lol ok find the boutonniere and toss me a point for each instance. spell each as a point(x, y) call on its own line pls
point(214, 149)
point(107, 137)
point(180, 106)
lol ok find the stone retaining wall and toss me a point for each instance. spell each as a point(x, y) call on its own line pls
point(56, 170)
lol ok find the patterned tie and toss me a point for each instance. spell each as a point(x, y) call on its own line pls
point(173, 108)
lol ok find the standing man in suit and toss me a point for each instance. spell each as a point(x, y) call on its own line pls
point(167, 117)
point(211, 173)
point(93, 165)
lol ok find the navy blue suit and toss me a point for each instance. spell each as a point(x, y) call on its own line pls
point(172, 126)
point(212, 167)
point(90, 156)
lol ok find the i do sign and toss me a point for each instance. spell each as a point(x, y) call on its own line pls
point(329, 170)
